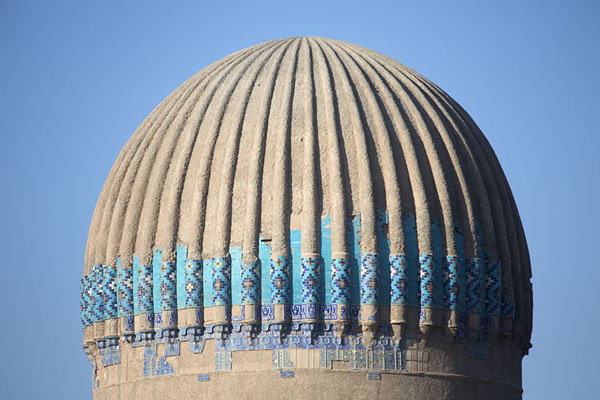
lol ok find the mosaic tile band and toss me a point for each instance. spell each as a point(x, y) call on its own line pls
point(92, 300)
point(466, 285)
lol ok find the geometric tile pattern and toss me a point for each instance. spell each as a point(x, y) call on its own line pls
point(250, 282)
point(383, 354)
point(196, 346)
point(107, 292)
point(163, 368)
point(369, 279)
point(477, 350)
point(145, 289)
point(221, 274)
point(340, 281)
point(193, 284)
point(280, 280)
point(451, 285)
point(507, 308)
point(149, 360)
point(310, 280)
point(129, 324)
point(125, 291)
point(492, 288)
point(86, 315)
point(109, 289)
point(426, 266)
point(172, 349)
point(223, 361)
point(280, 358)
point(374, 376)
point(399, 280)
point(168, 285)
point(327, 356)
point(307, 311)
point(111, 356)
point(360, 359)
point(97, 293)
point(155, 365)
point(474, 284)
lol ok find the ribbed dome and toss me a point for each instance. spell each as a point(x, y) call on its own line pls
point(311, 135)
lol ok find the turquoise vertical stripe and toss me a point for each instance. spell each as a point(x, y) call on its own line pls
point(438, 263)
point(117, 287)
point(482, 265)
point(325, 288)
point(383, 249)
point(236, 275)
point(264, 254)
point(156, 259)
point(135, 264)
point(181, 256)
point(296, 266)
point(412, 258)
point(354, 238)
point(208, 283)
point(462, 269)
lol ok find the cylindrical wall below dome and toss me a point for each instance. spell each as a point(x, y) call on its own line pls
point(431, 368)
point(313, 385)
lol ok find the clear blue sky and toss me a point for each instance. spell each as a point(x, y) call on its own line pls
point(77, 77)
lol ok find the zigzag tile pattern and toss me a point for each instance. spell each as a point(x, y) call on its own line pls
point(125, 292)
point(168, 286)
point(451, 282)
point(109, 290)
point(145, 289)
